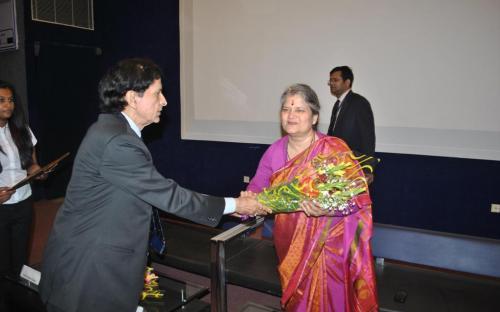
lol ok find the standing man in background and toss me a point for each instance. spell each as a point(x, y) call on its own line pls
point(352, 116)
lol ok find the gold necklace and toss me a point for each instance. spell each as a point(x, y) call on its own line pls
point(288, 146)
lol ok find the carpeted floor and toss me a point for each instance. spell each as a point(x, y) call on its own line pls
point(43, 217)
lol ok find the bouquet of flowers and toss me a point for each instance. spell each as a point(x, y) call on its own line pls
point(329, 182)
point(151, 287)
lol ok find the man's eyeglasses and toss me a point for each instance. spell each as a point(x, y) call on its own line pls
point(6, 100)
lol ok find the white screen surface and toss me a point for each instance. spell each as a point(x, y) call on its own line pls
point(430, 69)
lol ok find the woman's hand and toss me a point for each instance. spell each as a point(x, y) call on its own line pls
point(5, 194)
point(312, 210)
point(247, 194)
point(35, 167)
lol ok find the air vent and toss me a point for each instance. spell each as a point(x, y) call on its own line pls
point(8, 25)
point(74, 13)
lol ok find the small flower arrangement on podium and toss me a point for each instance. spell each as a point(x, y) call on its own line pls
point(151, 287)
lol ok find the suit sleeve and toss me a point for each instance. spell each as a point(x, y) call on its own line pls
point(366, 125)
point(127, 165)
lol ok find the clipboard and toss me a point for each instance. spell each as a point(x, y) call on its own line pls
point(45, 169)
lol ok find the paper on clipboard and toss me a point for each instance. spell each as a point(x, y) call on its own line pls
point(45, 169)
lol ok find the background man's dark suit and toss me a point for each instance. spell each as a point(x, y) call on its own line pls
point(105, 220)
point(355, 124)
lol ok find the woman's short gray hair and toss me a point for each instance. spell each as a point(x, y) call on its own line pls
point(309, 96)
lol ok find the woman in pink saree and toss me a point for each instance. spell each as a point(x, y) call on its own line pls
point(325, 260)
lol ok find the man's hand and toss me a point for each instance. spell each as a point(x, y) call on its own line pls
point(369, 178)
point(247, 204)
point(5, 194)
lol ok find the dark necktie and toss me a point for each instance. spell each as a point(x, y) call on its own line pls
point(157, 240)
point(333, 118)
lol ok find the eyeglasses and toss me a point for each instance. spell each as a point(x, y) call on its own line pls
point(5, 100)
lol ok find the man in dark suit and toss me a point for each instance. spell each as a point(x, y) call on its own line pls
point(352, 116)
point(96, 254)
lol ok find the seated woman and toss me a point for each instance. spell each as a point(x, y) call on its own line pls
point(325, 260)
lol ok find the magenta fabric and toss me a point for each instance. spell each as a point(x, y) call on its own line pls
point(273, 159)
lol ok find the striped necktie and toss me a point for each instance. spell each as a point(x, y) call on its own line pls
point(335, 114)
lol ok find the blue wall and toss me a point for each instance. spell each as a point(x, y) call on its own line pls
point(436, 193)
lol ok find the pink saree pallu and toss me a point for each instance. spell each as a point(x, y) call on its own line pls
point(325, 263)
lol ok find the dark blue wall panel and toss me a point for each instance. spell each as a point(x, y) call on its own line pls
point(438, 193)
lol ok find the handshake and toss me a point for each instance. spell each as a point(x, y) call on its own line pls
point(248, 205)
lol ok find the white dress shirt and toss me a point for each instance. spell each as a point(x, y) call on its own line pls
point(11, 166)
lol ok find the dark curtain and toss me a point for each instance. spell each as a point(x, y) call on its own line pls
point(63, 103)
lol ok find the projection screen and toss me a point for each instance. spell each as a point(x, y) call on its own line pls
point(430, 69)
